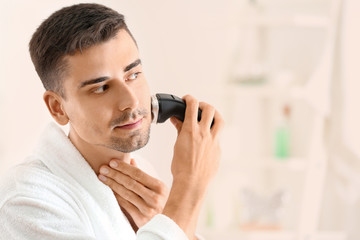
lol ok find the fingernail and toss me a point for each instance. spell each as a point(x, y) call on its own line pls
point(113, 164)
point(174, 120)
point(102, 178)
point(132, 162)
point(104, 170)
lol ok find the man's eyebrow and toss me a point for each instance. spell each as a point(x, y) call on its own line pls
point(93, 81)
point(132, 65)
point(102, 79)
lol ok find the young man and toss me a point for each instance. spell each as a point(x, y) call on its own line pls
point(87, 185)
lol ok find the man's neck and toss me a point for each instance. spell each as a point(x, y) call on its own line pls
point(96, 155)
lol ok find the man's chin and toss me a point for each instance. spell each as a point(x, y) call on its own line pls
point(130, 144)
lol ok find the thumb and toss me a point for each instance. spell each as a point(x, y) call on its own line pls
point(177, 123)
point(133, 163)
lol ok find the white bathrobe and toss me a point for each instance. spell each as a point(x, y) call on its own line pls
point(55, 194)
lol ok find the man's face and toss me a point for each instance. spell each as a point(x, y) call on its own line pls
point(107, 96)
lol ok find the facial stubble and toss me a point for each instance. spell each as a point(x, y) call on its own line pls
point(131, 143)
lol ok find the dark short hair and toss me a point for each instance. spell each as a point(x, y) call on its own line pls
point(67, 31)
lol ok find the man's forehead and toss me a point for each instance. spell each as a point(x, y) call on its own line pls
point(121, 45)
point(116, 53)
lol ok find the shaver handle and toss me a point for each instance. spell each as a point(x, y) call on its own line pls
point(171, 106)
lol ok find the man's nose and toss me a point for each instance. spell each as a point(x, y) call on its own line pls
point(127, 98)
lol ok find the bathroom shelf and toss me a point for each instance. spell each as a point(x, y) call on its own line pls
point(254, 100)
point(265, 91)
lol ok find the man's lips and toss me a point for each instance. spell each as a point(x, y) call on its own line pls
point(131, 125)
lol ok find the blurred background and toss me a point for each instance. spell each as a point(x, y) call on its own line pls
point(283, 73)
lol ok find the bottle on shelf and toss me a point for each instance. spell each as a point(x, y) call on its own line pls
point(282, 134)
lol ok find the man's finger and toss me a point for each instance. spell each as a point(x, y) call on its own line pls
point(138, 175)
point(150, 197)
point(177, 123)
point(218, 124)
point(127, 194)
point(129, 207)
point(207, 116)
point(191, 111)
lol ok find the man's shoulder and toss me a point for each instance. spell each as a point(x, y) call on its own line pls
point(30, 179)
point(35, 201)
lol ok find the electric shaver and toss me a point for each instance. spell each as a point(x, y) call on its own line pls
point(164, 106)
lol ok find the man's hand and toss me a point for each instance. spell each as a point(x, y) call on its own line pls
point(141, 195)
point(197, 149)
point(195, 162)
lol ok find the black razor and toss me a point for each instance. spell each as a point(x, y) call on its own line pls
point(164, 106)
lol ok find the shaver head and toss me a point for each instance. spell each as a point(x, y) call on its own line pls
point(154, 109)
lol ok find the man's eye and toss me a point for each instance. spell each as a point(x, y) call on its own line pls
point(133, 76)
point(101, 89)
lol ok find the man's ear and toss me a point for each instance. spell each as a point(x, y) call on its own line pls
point(55, 106)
